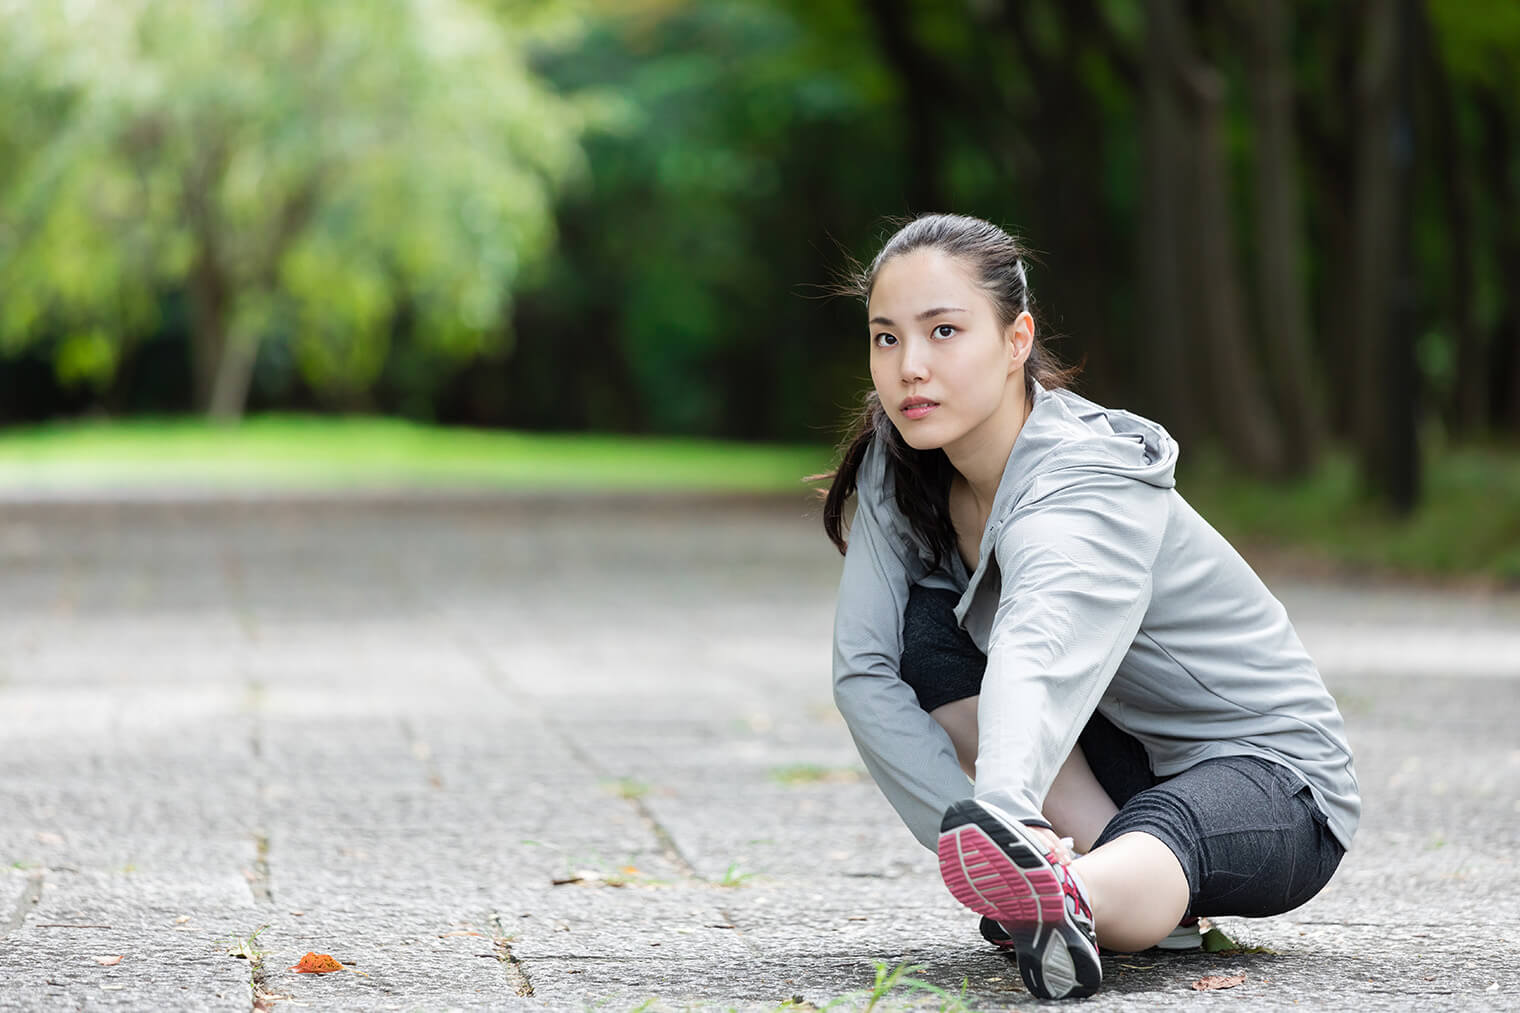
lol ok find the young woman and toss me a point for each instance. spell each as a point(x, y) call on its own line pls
point(1027, 600)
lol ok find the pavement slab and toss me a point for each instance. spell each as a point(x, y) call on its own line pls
point(559, 752)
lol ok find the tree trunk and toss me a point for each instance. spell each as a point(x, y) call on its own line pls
point(1502, 367)
point(1469, 409)
point(1326, 132)
point(1063, 180)
point(1241, 413)
point(1280, 244)
point(1163, 153)
point(1375, 237)
point(208, 326)
point(923, 85)
point(211, 289)
point(234, 376)
point(1402, 410)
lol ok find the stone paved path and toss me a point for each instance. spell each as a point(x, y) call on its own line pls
point(392, 731)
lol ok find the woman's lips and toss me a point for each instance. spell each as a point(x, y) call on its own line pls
point(918, 409)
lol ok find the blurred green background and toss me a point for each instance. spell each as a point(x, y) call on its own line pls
point(518, 243)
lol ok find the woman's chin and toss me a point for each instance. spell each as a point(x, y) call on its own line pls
point(920, 438)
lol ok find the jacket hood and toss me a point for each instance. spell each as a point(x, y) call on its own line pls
point(1067, 439)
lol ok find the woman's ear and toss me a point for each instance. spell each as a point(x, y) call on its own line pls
point(1020, 338)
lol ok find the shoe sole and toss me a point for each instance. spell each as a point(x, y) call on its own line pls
point(997, 872)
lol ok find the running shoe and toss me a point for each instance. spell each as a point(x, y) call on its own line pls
point(994, 866)
point(1185, 936)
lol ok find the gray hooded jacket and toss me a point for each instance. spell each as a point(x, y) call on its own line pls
point(1097, 587)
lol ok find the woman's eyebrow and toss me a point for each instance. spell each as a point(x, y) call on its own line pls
point(925, 315)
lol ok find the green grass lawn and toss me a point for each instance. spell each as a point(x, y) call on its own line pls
point(295, 452)
point(1468, 524)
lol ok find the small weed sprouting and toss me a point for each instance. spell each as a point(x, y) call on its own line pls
point(799, 774)
point(900, 977)
point(245, 947)
point(733, 877)
point(629, 788)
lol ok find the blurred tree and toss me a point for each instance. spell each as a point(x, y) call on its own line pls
point(1194, 176)
point(1378, 295)
point(1236, 398)
point(1159, 238)
point(308, 173)
point(676, 303)
point(1284, 312)
point(1477, 44)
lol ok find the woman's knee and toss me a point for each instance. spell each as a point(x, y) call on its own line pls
point(1248, 834)
point(939, 659)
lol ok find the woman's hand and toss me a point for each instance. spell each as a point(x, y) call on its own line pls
point(1058, 847)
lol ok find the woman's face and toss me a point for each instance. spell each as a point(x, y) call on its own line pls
point(942, 364)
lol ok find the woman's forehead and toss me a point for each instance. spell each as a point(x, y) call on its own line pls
point(923, 279)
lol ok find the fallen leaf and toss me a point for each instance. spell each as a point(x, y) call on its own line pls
point(108, 961)
point(1215, 941)
point(1212, 981)
point(316, 963)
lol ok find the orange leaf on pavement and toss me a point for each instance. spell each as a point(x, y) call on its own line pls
point(316, 963)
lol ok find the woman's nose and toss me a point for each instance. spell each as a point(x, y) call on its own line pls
point(914, 362)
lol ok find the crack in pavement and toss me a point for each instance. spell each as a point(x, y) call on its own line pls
point(517, 974)
point(258, 876)
point(666, 841)
point(28, 900)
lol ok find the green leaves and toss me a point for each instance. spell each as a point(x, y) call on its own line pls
point(304, 171)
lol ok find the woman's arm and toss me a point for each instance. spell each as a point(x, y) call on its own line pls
point(1076, 583)
point(908, 754)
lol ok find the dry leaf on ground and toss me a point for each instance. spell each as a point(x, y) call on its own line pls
point(316, 963)
point(108, 961)
point(1211, 981)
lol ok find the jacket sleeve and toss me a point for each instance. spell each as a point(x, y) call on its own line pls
point(906, 751)
point(1076, 583)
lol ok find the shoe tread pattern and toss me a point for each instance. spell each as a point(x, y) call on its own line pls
point(1000, 875)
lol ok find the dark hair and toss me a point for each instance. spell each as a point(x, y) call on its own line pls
point(921, 478)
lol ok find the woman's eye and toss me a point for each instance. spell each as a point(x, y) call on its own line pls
point(944, 330)
point(885, 340)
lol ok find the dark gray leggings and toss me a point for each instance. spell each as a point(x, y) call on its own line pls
point(1247, 831)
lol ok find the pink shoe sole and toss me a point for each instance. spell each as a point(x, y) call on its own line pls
point(996, 870)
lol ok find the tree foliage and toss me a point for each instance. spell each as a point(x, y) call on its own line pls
point(1274, 226)
point(328, 177)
